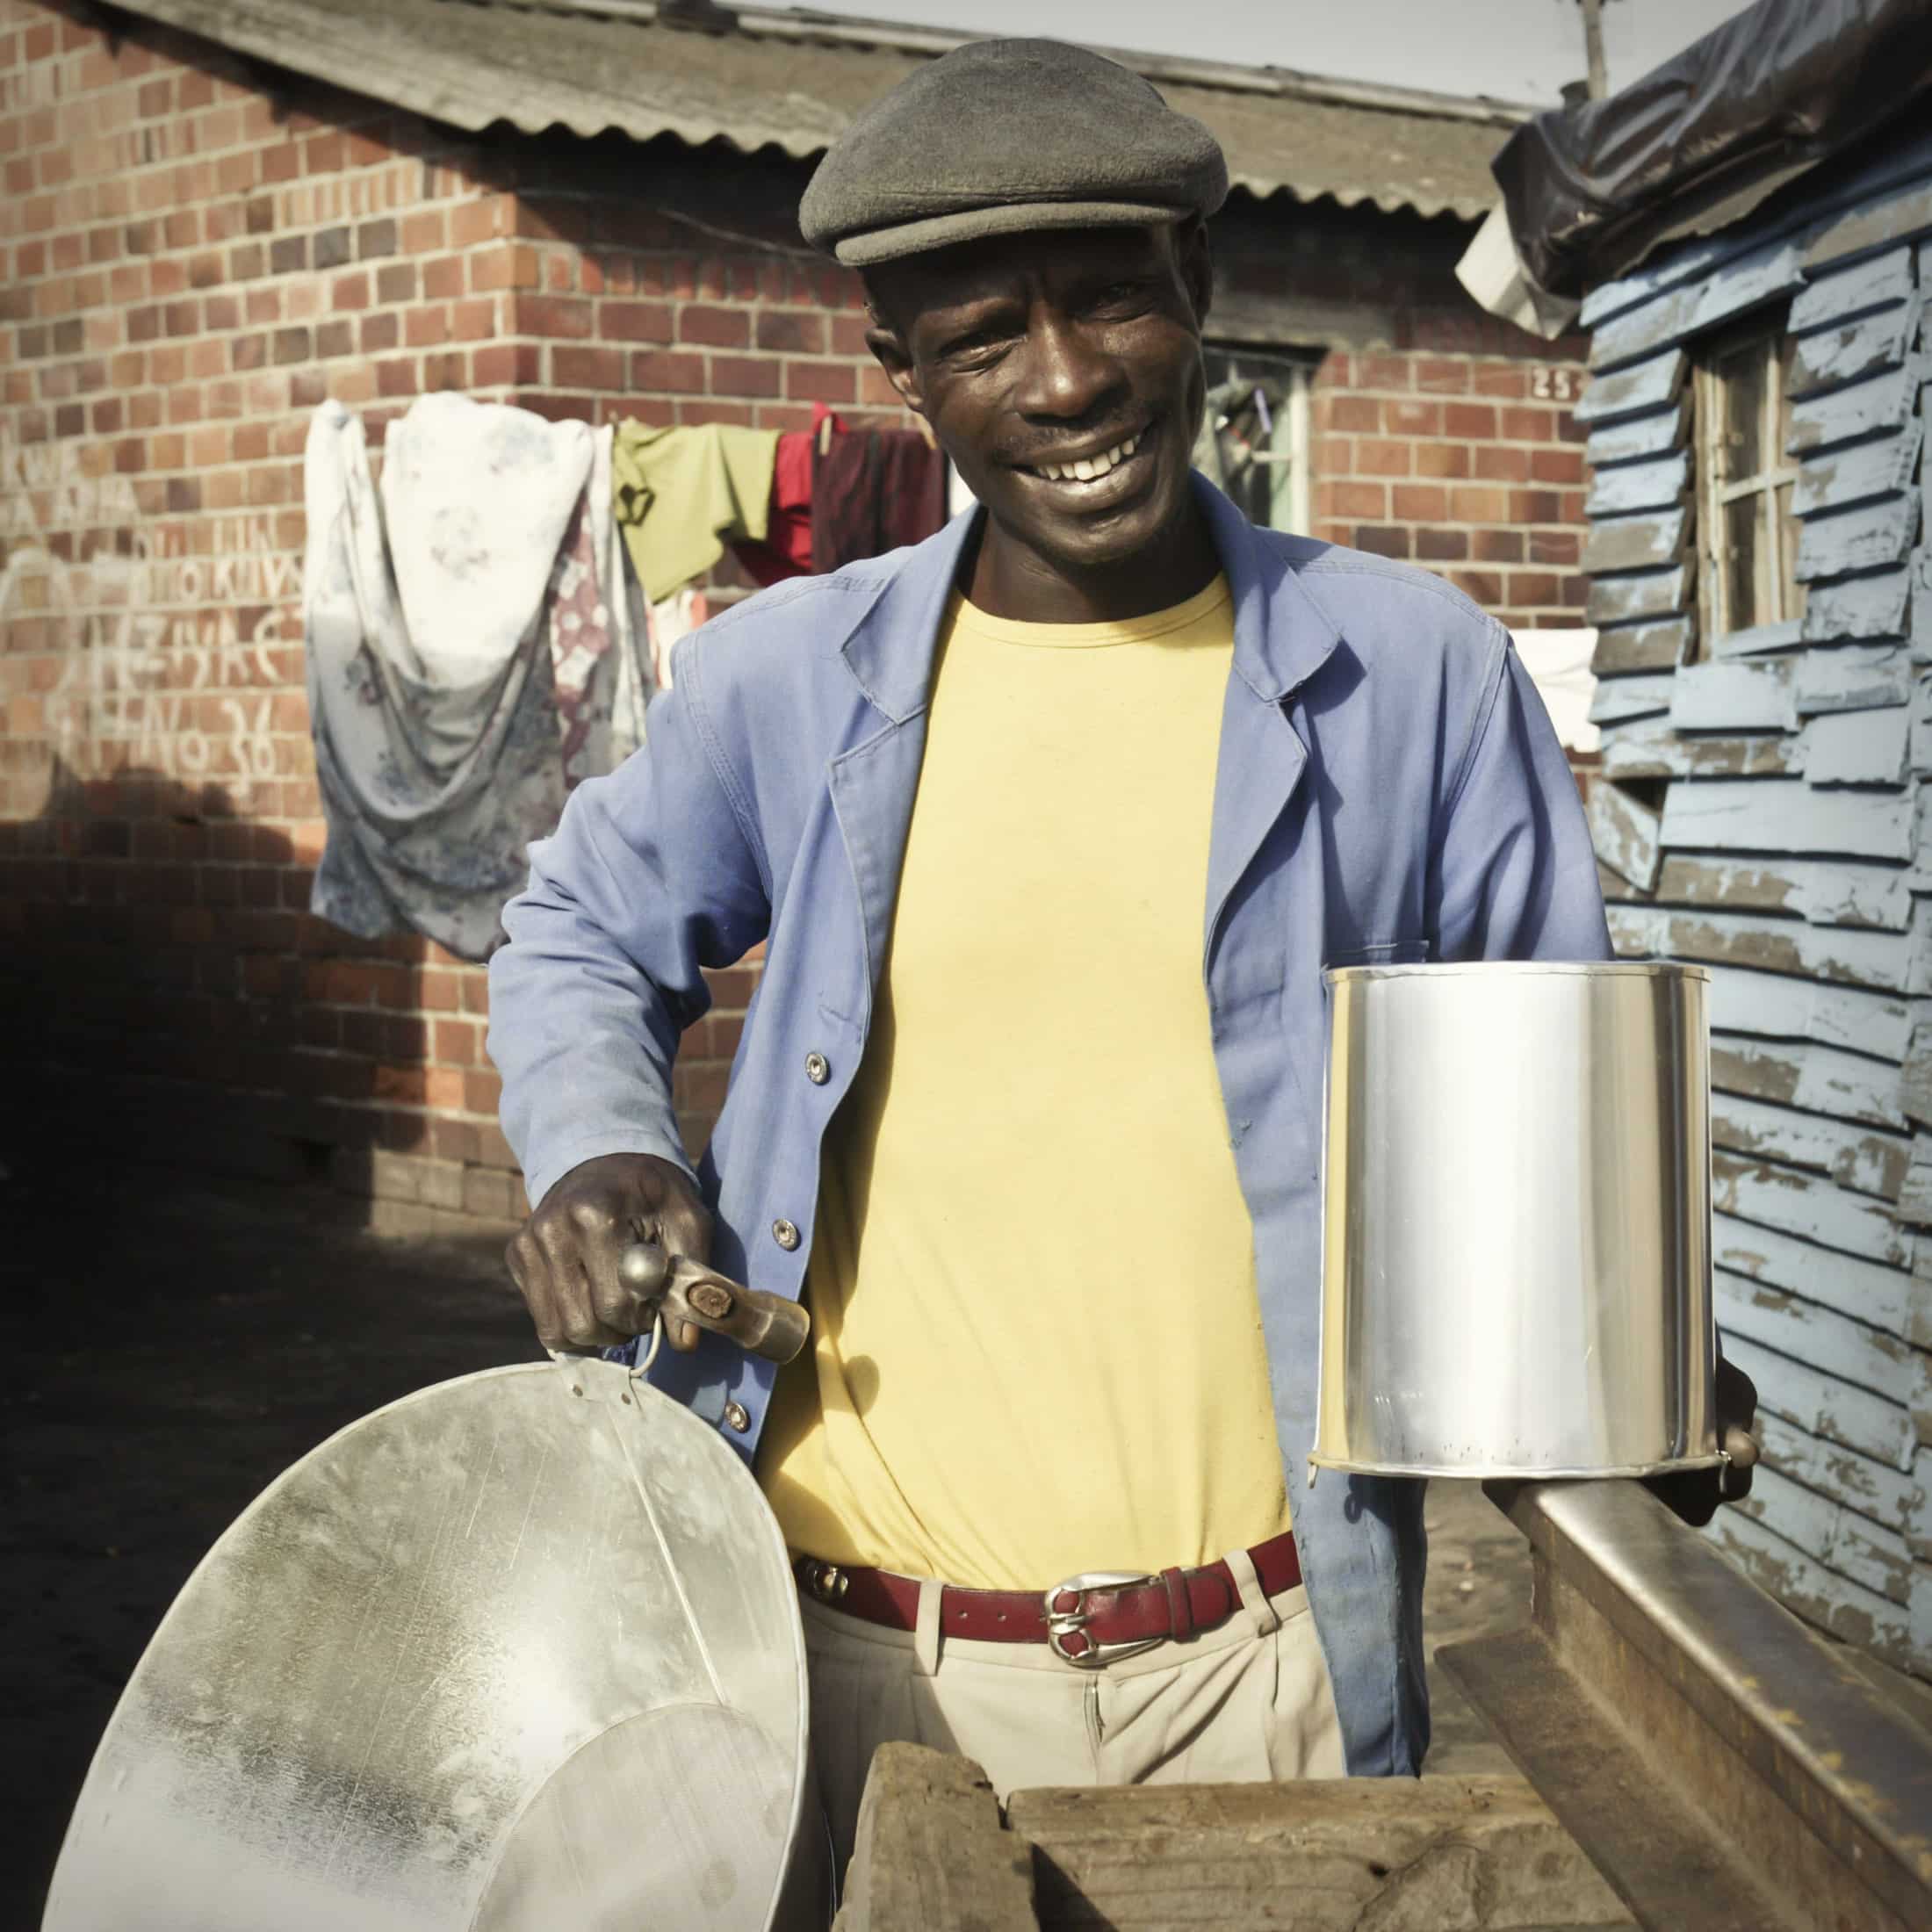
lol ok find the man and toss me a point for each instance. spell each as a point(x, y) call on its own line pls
point(1051, 824)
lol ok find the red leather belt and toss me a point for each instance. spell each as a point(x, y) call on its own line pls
point(1091, 1620)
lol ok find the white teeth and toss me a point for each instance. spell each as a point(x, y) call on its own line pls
point(1088, 469)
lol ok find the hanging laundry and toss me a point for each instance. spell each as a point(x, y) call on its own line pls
point(786, 550)
point(469, 637)
point(600, 665)
point(873, 491)
point(676, 617)
point(681, 495)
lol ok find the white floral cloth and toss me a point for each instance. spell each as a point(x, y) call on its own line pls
point(475, 647)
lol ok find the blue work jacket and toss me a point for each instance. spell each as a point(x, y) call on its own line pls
point(1388, 789)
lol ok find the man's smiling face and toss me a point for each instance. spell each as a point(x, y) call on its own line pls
point(1062, 372)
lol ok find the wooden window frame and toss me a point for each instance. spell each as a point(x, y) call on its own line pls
point(1717, 491)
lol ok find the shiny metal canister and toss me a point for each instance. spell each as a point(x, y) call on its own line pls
point(1517, 1222)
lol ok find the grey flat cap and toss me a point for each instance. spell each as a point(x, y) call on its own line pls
point(1003, 136)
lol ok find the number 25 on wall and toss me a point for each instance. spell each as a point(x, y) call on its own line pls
point(1553, 385)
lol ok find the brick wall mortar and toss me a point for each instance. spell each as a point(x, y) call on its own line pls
point(1452, 462)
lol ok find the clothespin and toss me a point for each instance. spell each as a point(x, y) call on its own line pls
point(824, 436)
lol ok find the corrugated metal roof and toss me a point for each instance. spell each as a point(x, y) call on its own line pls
point(793, 79)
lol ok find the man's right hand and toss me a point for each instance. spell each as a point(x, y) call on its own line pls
point(565, 1257)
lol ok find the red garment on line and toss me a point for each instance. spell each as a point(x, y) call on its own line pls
point(786, 550)
point(871, 491)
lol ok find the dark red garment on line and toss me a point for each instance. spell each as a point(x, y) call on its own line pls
point(871, 492)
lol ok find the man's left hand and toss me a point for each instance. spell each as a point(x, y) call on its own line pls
point(1695, 1494)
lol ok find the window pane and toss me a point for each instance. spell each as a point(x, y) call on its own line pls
point(1254, 440)
point(1741, 380)
point(1741, 562)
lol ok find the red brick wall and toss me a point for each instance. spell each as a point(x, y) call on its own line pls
point(1453, 462)
point(188, 264)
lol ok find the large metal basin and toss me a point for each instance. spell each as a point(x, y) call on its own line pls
point(520, 1652)
point(1517, 1234)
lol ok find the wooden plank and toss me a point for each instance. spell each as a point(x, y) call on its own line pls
point(1632, 438)
point(1822, 891)
point(1853, 677)
point(1842, 294)
point(1615, 889)
point(1632, 391)
point(1658, 325)
point(1823, 1406)
point(1901, 216)
point(1866, 1160)
point(1834, 1603)
point(1919, 874)
point(1759, 640)
point(1919, 740)
point(1899, 165)
point(1649, 594)
point(1631, 486)
point(1871, 606)
point(1733, 695)
point(1847, 1086)
point(1845, 415)
point(1861, 539)
point(1635, 543)
point(1321, 1854)
point(1748, 281)
point(1919, 980)
point(1624, 833)
point(1785, 815)
point(1862, 474)
point(1851, 350)
point(1875, 1490)
point(1884, 1297)
point(1858, 747)
point(1642, 647)
point(1915, 1205)
point(931, 1851)
point(1627, 697)
point(1835, 1345)
point(1915, 1080)
point(1842, 1539)
point(1842, 956)
point(1651, 750)
point(1772, 1006)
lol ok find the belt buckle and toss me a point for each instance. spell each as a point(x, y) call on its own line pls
point(1061, 1624)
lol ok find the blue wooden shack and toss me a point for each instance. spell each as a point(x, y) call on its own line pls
point(1756, 415)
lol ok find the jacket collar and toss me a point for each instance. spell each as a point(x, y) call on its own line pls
point(1281, 636)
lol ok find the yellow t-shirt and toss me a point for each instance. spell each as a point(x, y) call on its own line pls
point(1036, 1342)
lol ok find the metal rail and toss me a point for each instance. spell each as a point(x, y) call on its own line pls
point(1720, 1764)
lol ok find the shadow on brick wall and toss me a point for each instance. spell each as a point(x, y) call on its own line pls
point(167, 998)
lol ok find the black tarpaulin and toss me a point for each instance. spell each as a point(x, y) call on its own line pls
point(1589, 189)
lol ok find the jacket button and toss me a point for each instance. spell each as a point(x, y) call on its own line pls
point(818, 1069)
point(737, 1417)
point(784, 1234)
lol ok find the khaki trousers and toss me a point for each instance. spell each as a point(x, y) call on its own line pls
point(1249, 1703)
